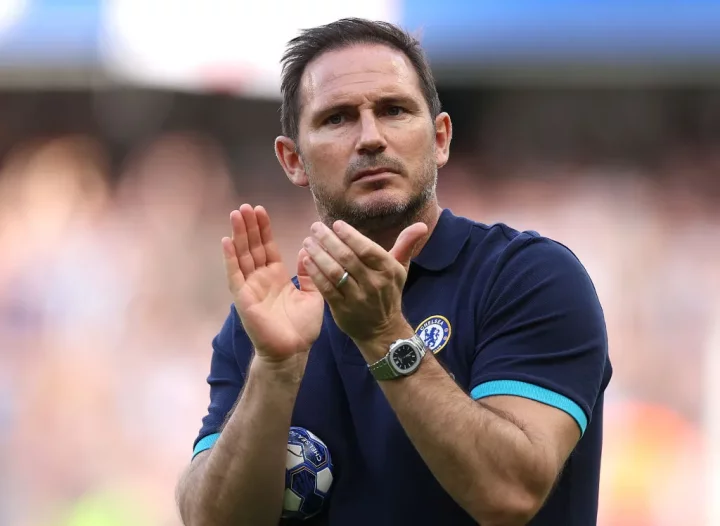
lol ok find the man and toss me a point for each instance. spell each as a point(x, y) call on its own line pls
point(492, 413)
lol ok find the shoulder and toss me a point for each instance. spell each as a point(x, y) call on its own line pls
point(507, 264)
point(504, 247)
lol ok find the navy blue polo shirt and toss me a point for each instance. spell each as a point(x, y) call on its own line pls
point(507, 313)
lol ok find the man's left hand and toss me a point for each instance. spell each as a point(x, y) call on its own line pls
point(368, 303)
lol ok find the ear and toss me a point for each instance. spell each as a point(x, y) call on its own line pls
point(290, 160)
point(443, 136)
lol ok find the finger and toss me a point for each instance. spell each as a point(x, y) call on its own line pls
point(407, 241)
point(368, 252)
point(321, 282)
point(253, 236)
point(272, 252)
point(306, 283)
point(340, 251)
point(240, 242)
point(234, 275)
point(331, 268)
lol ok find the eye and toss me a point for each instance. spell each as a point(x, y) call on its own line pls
point(395, 111)
point(334, 119)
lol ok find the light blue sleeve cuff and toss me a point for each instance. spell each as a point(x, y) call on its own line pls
point(533, 392)
point(205, 443)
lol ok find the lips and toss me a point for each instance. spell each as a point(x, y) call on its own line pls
point(374, 171)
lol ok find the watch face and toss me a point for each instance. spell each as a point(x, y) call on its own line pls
point(404, 358)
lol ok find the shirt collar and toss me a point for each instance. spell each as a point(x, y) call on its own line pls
point(445, 243)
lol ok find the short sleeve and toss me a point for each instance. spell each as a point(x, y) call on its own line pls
point(231, 353)
point(541, 330)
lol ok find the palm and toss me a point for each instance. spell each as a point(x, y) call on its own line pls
point(276, 315)
point(280, 319)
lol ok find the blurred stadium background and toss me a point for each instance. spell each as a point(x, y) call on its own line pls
point(130, 128)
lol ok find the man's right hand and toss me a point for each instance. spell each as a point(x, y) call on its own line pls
point(280, 319)
point(242, 479)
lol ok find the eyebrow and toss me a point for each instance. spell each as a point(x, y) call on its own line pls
point(391, 100)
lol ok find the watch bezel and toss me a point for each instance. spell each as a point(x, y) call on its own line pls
point(396, 348)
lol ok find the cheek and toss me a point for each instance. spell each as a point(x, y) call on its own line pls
point(415, 144)
point(417, 155)
point(327, 160)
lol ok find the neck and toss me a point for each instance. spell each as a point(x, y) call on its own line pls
point(387, 237)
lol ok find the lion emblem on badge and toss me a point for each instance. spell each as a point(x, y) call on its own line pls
point(435, 332)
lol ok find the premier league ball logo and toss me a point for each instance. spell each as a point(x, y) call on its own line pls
point(308, 475)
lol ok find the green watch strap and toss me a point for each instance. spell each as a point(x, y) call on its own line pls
point(382, 370)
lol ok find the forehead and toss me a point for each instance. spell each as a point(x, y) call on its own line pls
point(357, 74)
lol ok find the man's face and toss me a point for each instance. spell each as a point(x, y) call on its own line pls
point(367, 140)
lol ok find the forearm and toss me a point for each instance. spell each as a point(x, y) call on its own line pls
point(484, 461)
point(241, 481)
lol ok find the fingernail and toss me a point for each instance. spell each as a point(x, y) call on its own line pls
point(307, 242)
point(339, 226)
point(315, 228)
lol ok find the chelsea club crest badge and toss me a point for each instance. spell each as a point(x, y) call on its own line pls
point(435, 332)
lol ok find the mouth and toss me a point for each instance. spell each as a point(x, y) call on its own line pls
point(366, 174)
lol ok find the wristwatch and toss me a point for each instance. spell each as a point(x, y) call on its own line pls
point(402, 359)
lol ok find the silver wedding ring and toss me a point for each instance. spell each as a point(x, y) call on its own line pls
point(342, 280)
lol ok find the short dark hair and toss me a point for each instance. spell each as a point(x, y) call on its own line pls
point(345, 32)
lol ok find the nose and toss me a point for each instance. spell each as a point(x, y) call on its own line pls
point(371, 140)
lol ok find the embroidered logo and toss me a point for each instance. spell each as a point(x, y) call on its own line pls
point(435, 332)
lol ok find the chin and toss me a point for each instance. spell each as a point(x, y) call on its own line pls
point(380, 209)
point(380, 203)
point(380, 198)
point(383, 212)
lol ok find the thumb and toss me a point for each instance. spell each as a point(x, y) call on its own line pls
point(407, 241)
point(306, 283)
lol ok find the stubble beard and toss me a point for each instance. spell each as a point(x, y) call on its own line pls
point(381, 216)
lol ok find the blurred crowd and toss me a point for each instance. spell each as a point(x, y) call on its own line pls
point(112, 287)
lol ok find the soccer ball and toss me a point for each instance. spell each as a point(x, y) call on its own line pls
point(308, 475)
